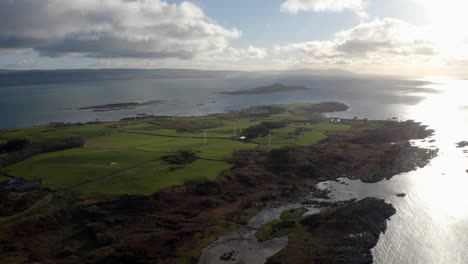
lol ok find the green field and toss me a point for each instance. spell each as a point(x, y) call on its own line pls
point(63, 169)
point(126, 157)
point(152, 177)
point(299, 134)
point(119, 140)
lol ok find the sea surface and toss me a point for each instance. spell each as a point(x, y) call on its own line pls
point(22, 106)
point(431, 223)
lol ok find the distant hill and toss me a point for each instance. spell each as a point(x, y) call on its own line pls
point(35, 77)
point(7, 71)
point(328, 72)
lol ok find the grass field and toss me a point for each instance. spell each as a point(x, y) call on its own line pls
point(26, 133)
point(45, 132)
point(119, 140)
point(152, 177)
point(63, 169)
point(126, 157)
point(302, 134)
point(81, 131)
point(220, 149)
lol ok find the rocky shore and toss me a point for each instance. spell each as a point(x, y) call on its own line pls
point(345, 234)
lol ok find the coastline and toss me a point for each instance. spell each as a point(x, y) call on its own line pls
point(193, 215)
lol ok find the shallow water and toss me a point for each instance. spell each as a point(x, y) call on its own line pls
point(244, 246)
point(243, 243)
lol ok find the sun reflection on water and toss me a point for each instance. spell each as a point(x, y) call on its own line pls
point(431, 225)
point(444, 187)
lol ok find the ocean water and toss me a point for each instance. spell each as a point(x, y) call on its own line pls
point(431, 223)
point(22, 106)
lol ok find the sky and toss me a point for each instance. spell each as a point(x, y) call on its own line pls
point(404, 37)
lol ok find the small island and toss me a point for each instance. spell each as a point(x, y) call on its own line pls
point(275, 88)
point(119, 106)
point(462, 144)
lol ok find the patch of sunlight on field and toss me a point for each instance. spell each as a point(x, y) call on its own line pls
point(330, 127)
point(197, 134)
point(229, 125)
point(125, 140)
point(67, 168)
point(168, 133)
point(220, 149)
point(172, 145)
point(299, 134)
point(152, 177)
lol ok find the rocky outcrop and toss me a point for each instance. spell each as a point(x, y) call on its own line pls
point(340, 235)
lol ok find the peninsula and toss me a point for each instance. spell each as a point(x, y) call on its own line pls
point(161, 189)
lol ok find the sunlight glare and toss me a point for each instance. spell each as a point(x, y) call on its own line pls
point(447, 24)
point(445, 199)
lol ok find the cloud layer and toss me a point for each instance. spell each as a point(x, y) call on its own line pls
point(155, 33)
point(111, 28)
point(379, 41)
point(295, 6)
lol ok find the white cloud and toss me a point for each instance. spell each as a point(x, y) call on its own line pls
point(251, 52)
point(383, 41)
point(387, 36)
point(295, 6)
point(316, 49)
point(111, 28)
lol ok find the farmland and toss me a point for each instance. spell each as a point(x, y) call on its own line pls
point(126, 157)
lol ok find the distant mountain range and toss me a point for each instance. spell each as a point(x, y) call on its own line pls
point(329, 72)
point(36, 77)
